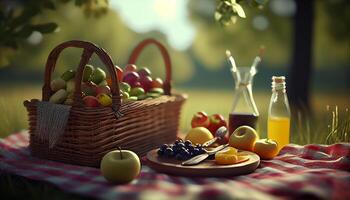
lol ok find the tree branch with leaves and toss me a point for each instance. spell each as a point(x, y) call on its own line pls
point(17, 20)
point(227, 11)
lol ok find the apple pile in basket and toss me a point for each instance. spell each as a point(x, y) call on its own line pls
point(209, 128)
point(135, 85)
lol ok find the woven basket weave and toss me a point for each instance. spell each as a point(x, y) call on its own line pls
point(92, 132)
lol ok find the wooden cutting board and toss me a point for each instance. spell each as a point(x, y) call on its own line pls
point(206, 168)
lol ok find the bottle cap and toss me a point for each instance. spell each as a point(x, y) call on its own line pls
point(278, 83)
point(278, 79)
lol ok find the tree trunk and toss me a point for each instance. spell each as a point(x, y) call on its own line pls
point(300, 71)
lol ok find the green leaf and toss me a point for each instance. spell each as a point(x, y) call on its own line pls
point(233, 19)
point(45, 28)
point(25, 17)
point(217, 16)
point(24, 32)
point(239, 10)
point(228, 3)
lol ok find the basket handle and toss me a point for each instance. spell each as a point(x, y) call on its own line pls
point(138, 49)
point(89, 49)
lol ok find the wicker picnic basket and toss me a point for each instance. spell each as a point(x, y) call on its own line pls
point(92, 132)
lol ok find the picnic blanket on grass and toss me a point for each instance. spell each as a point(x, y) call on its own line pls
point(298, 172)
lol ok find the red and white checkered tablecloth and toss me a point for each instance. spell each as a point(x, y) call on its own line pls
point(298, 172)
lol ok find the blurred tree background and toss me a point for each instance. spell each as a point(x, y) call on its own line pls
point(196, 43)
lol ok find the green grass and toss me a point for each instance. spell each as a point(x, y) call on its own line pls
point(14, 116)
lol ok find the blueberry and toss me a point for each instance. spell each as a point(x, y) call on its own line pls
point(190, 148)
point(185, 153)
point(177, 141)
point(187, 156)
point(201, 150)
point(160, 152)
point(183, 149)
point(169, 152)
point(176, 149)
point(180, 144)
point(163, 147)
point(188, 143)
point(195, 151)
point(179, 157)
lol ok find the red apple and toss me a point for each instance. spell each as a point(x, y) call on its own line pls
point(146, 83)
point(157, 83)
point(130, 68)
point(136, 84)
point(91, 101)
point(216, 121)
point(200, 119)
point(103, 89)
point(223, 140)
point(89, 88)
point(144, 71)
point(131, 78)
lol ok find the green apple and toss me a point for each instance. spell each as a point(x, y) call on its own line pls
point(98, 75)
point(125, 87)
point(103, 83)
point(68, 75)
point(141, 97)
point(59, 96)
point(153, 95)
point(120, 166)
point(71, 86)
point(87, 73)
point(124, 95)
point(244, 138)
point(137, 91)
point(132, 98)
point(57, 84)
point(157, 90)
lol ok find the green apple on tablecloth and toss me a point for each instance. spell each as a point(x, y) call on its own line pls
point(120, 166)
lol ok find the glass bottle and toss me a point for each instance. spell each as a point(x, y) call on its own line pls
point(278, 124)
point(244, 110)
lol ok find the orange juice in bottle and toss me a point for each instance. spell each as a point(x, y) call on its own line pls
point(278, 129)
point(278, 123)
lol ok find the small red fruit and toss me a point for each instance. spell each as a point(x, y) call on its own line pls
point(157, 83)
point(223, 140)
point(136, 84)
point(91, 101)
point(130, 68)
point(89, 88)
point(200, 119)
point(146, 83)
point(144, 71)
point(103, 89)
point(131, 78)
point(216, 121)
